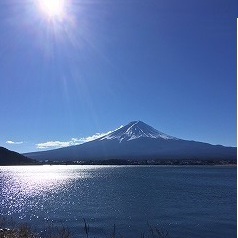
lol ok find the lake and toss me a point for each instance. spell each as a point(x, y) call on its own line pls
point(187, 201)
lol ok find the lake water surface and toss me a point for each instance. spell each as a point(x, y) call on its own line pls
point(186, 201)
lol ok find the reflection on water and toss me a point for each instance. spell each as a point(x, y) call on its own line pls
point(36, 179)
point(188, 201)
point(26, 186)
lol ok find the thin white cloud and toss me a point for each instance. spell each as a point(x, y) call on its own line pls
point(14, 142)
point(53, 144)
point(73, 141)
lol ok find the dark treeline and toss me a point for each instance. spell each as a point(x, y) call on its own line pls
point(144, 162)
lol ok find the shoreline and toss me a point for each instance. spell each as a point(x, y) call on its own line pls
point(127, 165)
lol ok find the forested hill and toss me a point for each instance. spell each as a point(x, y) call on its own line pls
point(8, 157)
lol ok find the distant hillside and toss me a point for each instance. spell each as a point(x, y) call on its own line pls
point(138, 141)
point(8, 157)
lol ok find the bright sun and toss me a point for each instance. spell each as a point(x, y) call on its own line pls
point(52, 8)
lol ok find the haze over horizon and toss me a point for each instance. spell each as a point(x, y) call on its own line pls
point(73, 74)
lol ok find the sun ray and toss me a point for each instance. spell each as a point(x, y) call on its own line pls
point(52, 8)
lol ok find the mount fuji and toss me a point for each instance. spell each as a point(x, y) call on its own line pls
point(138, 141)
point(135, 130)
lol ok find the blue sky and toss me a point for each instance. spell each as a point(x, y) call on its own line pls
point(102, 64)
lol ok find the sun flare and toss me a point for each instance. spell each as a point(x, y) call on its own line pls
point(53, 8)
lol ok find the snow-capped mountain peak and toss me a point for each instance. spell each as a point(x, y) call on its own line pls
point(135, 130)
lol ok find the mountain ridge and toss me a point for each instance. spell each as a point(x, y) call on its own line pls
point(135, 130)
point(8, 157)
point(137, 140)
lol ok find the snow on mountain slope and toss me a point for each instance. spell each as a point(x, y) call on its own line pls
point(135, 130)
